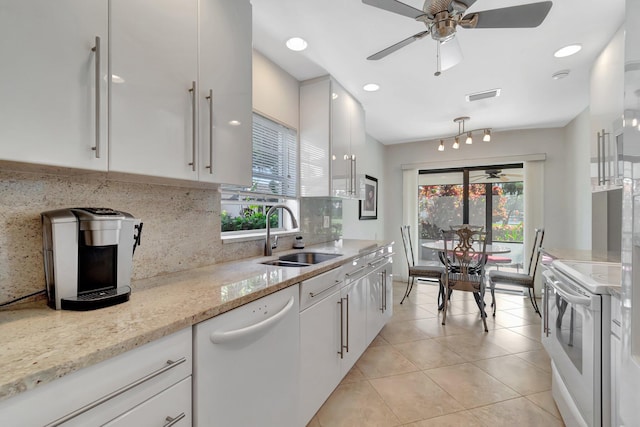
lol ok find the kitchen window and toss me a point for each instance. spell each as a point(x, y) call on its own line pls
point(275, 180)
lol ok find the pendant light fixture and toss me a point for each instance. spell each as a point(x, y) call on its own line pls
point(462, 132)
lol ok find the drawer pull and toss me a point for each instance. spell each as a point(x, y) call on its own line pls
point(312, 295)
point(170, 365)
point(616, 322)
point(173, 421)
point(356, 271)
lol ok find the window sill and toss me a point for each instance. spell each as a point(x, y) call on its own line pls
point(239, 238)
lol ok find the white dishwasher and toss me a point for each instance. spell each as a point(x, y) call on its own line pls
point(246, 364)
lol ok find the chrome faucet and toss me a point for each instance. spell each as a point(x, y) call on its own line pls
point(268, 246)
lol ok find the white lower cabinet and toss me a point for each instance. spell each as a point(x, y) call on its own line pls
point(337, 328)
point(246, 364)
point(380, 298)
point(130, 386)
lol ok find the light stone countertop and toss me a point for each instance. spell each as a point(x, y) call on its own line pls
point(40, 344)
point(585, 256)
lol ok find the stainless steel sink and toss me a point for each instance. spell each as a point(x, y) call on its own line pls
point(301, 259)
point(308, 257)
point(279, 263)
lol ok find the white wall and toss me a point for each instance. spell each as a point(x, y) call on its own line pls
point(275, 92)
point(503, 144)
point(372, 164)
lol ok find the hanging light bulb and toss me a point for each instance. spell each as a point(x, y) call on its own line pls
point(487, 135)
point(456, 143)
point(469, 139)
point(441, 147)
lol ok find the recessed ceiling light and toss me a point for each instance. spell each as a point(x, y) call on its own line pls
point(297, 44)
point(234, 123)
point(371, 87)
point(560, 74)
point(568, 50)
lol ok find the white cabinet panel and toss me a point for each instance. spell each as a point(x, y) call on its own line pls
point(48, 98)
point(320, 363)
point(224, 91)
point(354, 297)
point(332, 130)
point(154, 54)
point(380, 299)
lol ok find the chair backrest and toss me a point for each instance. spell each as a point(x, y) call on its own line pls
point(405, 230)
point(470, 227)
point(535, 252)
point(466, 251)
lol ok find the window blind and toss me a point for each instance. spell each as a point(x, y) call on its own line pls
point(275, 159)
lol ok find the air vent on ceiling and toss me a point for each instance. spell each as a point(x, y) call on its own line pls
point(483, 95)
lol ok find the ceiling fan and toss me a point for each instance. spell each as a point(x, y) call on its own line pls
point(442, 17)
point(492, 174)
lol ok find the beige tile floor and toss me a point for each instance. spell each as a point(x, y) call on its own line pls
point(419, 373)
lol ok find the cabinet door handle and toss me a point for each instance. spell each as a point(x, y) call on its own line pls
point(312, 295)
point(173, 421)
point(96, 49)
point(210, 99)
point(347, 346)
point(170, 365)
point(222, 337)
point(192, 90)
point(341, 351)
point(356, 271)
point(353, 172)
point(384, 291)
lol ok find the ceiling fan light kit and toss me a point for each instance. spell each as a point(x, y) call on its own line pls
point(442, 17)
point(462, 132)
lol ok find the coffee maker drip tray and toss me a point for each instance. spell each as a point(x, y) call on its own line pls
point(97, 299)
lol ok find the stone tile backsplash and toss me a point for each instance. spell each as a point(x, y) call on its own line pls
point(181, 225)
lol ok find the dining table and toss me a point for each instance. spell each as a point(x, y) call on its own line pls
point(438, 245)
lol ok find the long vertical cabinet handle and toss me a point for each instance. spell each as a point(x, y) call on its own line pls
point(607, 167)
point(599, 161)
point(353, 171)
point(192, 90)
point(341, 352)
point(547, 288)
point(347, 346)
point(96, 49)
point(210, 99)
point(382, 289)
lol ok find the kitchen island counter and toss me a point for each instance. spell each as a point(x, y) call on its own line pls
point(41, 344)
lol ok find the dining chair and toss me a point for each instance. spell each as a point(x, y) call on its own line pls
point(466, 251)
point(525, 280)
point(429, 272)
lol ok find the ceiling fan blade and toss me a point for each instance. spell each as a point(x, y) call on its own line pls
point(396, 7)
point(401, 44)
point(523, 16)
point(450, 53)
point(503, 178)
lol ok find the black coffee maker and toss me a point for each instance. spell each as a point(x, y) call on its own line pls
point(88, 254)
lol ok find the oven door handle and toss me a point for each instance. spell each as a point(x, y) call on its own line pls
point(568, 295)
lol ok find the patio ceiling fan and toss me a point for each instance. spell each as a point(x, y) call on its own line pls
point(442, 17)
point(490, 175)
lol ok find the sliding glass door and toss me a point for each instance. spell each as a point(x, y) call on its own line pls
point(459, 196)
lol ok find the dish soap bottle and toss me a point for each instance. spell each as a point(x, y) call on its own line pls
point(298, 243)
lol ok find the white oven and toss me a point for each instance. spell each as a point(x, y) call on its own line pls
point(576, 334)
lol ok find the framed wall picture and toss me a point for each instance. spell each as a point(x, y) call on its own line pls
point(369, 205)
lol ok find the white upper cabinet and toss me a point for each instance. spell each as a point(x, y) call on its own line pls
point(332, 139)
point(225, 99)
point(154, 66)
point(181, 90)
point(53, 103)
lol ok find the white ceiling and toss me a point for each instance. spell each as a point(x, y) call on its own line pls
point(412, 103)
